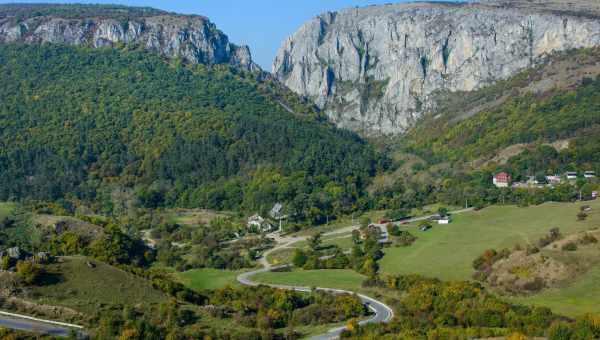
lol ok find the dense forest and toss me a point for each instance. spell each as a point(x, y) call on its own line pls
point(81, 124)
point(75, 11)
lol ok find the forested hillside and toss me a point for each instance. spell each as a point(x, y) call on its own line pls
point(544, 121)
point(559, 99)
point(80, 124)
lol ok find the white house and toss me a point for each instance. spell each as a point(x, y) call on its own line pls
point(256, 222)
point(589, 174)
point(555, 179)
point(571, 175)
point(444, 220)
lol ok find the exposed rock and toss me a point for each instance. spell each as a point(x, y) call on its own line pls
point(377, 69)
point(192, 38)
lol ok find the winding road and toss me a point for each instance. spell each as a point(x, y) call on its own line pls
point(35, 325)
point(382, 312)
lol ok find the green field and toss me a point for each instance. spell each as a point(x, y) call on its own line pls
point(576, 299)
point(447, 251)
point(335, 278)
point(73, 284)
point(202, 279)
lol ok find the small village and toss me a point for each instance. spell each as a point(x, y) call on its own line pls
point(504, 180)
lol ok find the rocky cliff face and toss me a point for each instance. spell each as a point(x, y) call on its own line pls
point(377, 69)
point(193, 38)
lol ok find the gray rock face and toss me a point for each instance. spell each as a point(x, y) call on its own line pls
point(377, 69)
point(193, 38)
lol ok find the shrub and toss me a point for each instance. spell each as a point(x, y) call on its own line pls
point(299, 258)
point(588, 239)
point(560, 331)
point(552, 236)
point(29, 272)
point(569, 246)
point(532, 250)
point(581, 216)
point(534, 286)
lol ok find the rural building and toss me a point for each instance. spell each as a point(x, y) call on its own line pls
point(502, 180)
point(256, 222)
point(555, 179)
point(571, 175)
point(589, 174)
point(444, 220)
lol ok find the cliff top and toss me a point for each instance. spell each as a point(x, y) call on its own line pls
point(584, 8)
point(79, 11)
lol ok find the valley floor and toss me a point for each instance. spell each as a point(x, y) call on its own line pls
point(447, 252)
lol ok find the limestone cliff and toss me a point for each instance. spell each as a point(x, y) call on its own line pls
point(192, 38)
point(377, 69)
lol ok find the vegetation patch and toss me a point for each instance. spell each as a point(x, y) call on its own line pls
point(76, 284)
point(207, 279)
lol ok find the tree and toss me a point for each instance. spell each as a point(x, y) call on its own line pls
point(356, 237)
point(314, 242)
point(299, 259)
point(370, 268)
point(443, 211)
point(29, 272)
point(365, 221)
point(5, 263)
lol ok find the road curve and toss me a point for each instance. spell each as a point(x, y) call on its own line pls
point(382, 312)
point(33, 326)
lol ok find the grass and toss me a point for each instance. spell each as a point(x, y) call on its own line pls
point(6, 208)
point(342, 222)
point(281, 256)
point(73, 284)
point(193, 217)
point(207, 279)
point(334, 278)
point(447, 252)
point(578, 298)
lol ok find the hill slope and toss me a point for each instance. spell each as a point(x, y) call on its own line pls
point(83, 121)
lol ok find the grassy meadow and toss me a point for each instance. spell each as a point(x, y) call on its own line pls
point(207, 278)
point(73, 284)
point(447, 252)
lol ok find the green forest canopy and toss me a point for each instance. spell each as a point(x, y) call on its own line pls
point(76, 120)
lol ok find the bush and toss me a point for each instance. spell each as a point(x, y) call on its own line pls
point(581, 216)
point(569, 246)
point(29, 272)
point(552, 236)
point(588, 239)
point(532, 250)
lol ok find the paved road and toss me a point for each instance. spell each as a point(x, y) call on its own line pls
point(33, 326)
point(287, 241)
point(382, 312)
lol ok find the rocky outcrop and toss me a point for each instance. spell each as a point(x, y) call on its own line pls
point(377, 69)
point(192, 38)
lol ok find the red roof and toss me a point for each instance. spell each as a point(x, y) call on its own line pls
point(502, 177)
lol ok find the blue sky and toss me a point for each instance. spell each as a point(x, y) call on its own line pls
point(261, 24)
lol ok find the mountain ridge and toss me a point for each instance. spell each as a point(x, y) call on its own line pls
point(374, 69)
point(192, 38)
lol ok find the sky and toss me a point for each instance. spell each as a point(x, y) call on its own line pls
point(261, 24)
